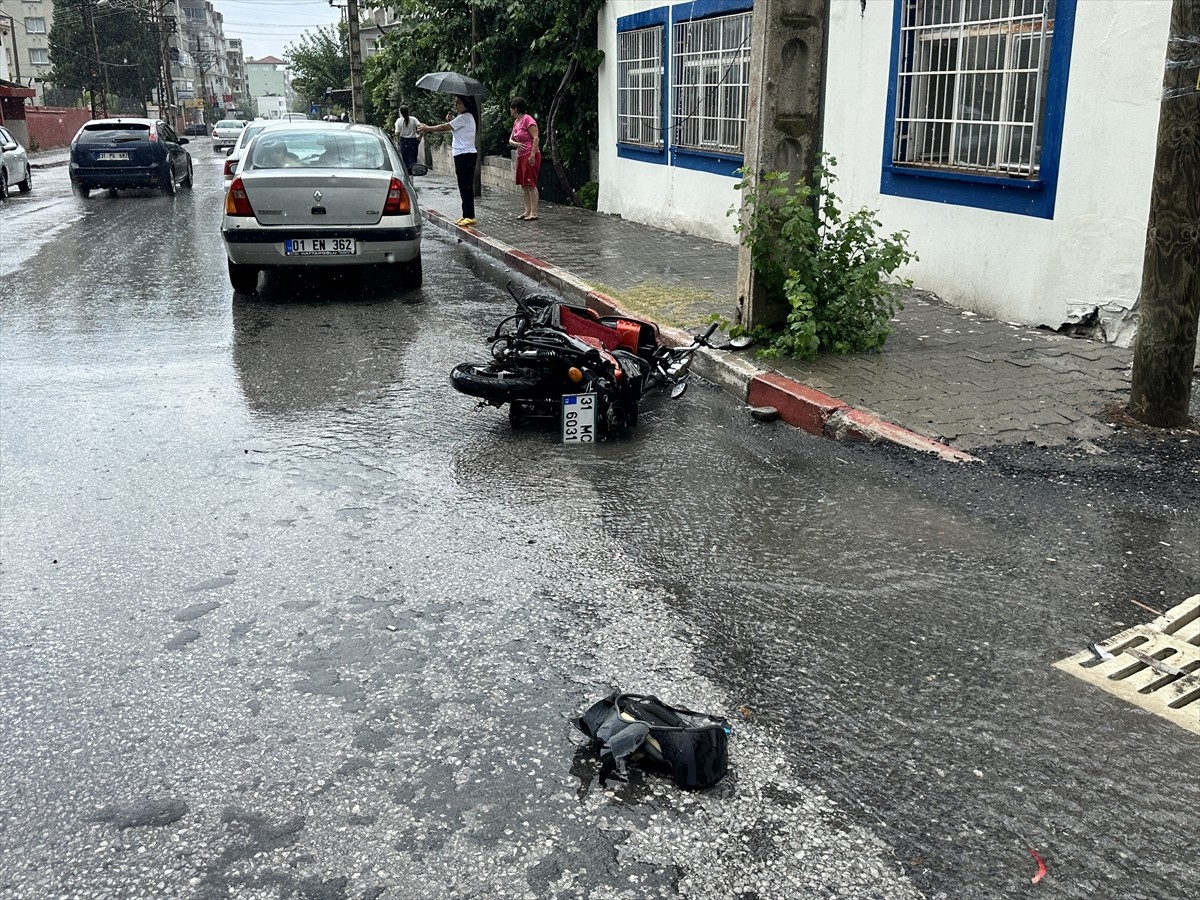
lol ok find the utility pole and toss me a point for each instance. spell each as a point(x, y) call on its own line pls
point(12, 33)
point(357, 113)
point(1165, 348)
point(91, 50)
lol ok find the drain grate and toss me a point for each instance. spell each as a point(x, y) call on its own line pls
point(1155, 666)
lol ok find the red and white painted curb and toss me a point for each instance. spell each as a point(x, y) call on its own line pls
point(799, 405)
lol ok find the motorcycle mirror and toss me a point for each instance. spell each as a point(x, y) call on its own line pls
point(741, 342)
point(678, 389)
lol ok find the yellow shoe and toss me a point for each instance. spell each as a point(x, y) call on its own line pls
point(463, 222)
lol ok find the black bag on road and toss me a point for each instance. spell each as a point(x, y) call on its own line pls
point(634, 727)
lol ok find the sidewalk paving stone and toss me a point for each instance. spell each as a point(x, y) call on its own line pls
point(947, 375)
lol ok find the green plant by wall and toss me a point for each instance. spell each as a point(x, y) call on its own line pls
point(588, 195)
point(833, 268)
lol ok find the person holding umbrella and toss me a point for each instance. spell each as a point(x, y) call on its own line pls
point(464, 123)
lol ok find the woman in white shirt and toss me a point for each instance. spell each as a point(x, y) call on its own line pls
point(407, 139)
point(464, 124)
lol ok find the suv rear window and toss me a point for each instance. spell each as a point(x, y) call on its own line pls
point(118, 131)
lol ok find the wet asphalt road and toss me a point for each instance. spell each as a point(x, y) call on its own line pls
point(284, 616)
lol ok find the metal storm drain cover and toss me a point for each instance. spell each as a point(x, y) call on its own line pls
point(1155, 666)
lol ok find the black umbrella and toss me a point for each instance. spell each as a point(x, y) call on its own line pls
point(452, 83)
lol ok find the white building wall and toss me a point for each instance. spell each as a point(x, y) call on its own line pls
point(1016, 267)
point(665, 196)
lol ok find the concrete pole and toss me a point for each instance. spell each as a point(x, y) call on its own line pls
point(357, 112)
point(783, 117)
point(1169, 306)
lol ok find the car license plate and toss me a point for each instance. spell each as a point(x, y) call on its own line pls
point(320, 247)
point(113, 157)
point(579, 418)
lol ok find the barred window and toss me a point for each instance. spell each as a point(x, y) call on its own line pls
point(971, 91)
point(711, 83)
point(639, 87)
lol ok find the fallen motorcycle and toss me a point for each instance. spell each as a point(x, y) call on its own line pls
point(554, 360)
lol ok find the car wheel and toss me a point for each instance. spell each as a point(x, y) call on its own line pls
point(411, 274)
point(243, 278)
point(168, 186)
point(3, 184)
point(81, 190)
point(27, 185)
point(187, 179)
point(112, 192)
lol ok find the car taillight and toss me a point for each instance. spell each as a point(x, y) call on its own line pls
point(236, 201)
point(230, 165)
point(153, 136)
point(397, 200)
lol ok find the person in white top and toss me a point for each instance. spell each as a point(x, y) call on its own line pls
point(407, 138)
point(464, 123)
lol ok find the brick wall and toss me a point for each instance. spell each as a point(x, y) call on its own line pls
point(54, 126)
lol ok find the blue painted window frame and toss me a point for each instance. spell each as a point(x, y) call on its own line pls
point(700, 160)
point(648, 18)
point(1025, 197)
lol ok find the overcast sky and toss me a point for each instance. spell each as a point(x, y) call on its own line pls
point(267, 27)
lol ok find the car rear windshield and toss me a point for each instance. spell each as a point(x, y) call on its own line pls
point(231, 123)
point(109, 132)
point(319, 150)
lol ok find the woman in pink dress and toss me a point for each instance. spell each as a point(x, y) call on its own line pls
point(524, 139)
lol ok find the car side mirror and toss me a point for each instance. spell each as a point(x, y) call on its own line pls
point(418, 169)
point(10, 146)
point(183, 140)
point(229, 152)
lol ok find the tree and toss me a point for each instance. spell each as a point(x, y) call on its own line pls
point(126, 43)
point(542, 50)
point(1165, 347)
point(319, 60)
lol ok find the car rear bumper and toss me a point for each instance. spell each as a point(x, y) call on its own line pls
point(382, 246)
point(140, 176)
point(222, 143)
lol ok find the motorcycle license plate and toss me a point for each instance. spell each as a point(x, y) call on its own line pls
point(579, 418)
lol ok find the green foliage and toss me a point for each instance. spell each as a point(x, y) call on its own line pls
point(319, 60)
point(521, 49)
point(128, 51)
point(831, 267)
point(588, 195)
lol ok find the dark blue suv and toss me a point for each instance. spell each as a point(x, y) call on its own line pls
point(129, 153)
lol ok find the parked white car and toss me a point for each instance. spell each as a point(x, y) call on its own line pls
point(320, 195)
point(14, 165)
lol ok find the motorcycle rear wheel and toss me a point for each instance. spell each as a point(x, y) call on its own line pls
point(495, 381)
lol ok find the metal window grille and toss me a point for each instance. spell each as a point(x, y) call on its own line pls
point(971, 94)
point(711, 83)
point(639, 87)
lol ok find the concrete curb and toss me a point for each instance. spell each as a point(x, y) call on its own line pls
point(799, 405)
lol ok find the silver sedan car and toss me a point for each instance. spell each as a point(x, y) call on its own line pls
point(320, 194)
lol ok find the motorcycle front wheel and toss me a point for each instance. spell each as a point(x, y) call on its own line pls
point(496, 381)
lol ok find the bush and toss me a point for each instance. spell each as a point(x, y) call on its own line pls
point(831, 268)
point(588, 195)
